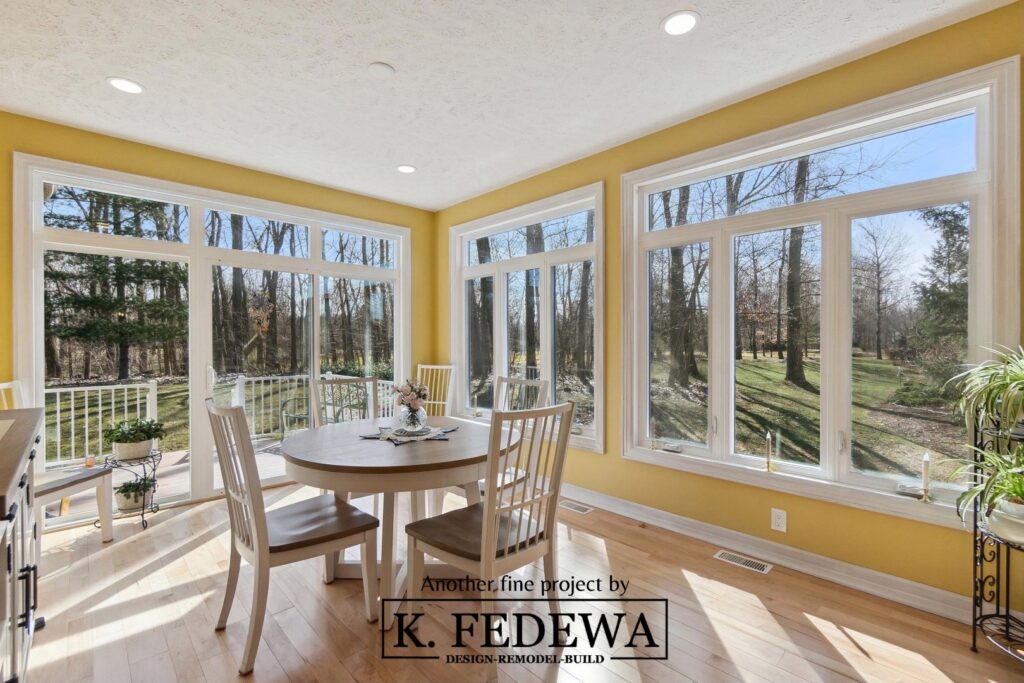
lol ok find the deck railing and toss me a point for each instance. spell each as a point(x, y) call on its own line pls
point(276, 404)
point(77, 416)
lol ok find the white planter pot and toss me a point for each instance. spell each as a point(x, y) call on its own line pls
point(133, 451)
point(133, 502)
point(1007, 521)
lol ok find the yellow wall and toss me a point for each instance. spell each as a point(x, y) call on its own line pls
point(916, 551)
point(22, 134)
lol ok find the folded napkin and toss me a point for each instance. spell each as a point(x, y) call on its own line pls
point(389, 435)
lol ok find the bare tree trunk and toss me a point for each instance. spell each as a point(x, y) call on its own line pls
point(534, 245)
point(794, 315)
point(239, 305)
point(584, 345)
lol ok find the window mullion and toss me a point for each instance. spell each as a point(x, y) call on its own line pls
point(836, 343)
point(547, 342)
point(720, 394)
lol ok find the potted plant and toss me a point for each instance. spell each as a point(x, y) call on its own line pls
point(134, 439)
point(993, 390)
point(997, 484)
point(135, 494)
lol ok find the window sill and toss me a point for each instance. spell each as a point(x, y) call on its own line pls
point(577, 441)
point(937, 513)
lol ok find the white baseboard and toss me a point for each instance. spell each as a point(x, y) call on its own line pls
point(928, 598)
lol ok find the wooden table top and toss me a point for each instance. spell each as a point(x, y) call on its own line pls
point(338, 448)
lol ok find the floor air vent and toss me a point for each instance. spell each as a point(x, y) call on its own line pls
point(575, 507)
point(750, 563)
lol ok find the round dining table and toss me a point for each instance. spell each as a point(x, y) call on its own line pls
point(336, 457)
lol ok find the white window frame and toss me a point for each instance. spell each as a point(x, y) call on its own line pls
point(993, 189)
point(459, 236)
point(32, 239)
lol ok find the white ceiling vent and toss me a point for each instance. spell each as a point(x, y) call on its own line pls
point(754, 565)
point(575, 507)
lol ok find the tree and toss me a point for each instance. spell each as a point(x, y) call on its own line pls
point(794, 311)
point(878, 261)
point(943, 292)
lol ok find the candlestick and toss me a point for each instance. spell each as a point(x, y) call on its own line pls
point(768, 452)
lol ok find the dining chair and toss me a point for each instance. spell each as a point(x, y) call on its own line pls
point(343, 399)
point(11, 395)
point(316, 527)
point(60, 484)
point(439, 380)
point(514, 524)
point(512, 394)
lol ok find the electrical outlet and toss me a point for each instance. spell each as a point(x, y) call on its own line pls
point(778, 520)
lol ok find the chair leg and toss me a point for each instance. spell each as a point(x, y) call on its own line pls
point(105, 505)
point(260, 586)
point(330, 561)
point(436, 502)
point(368, 558)
point(234, 560)
point(472, 490)
point(414, 558)
point(550, 567)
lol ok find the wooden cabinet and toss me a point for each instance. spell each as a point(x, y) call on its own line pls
point(19, 573)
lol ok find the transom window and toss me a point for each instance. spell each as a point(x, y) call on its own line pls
point(526, 295)
point(797, 302)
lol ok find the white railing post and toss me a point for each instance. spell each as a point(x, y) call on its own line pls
point(238, 393)
point(151, 409)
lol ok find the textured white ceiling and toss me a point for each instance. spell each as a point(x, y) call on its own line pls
point(486, 92)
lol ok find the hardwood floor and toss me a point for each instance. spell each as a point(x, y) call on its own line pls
point(142, 609)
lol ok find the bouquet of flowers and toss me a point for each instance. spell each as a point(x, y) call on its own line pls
point(412, 394)
point(411, 417)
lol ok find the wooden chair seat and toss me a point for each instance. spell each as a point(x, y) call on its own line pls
point(458, 532)
point(314, 521)
point(54, 481)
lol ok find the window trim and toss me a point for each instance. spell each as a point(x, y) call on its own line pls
point(995, 181)
point(32, 239)
point(549, 207)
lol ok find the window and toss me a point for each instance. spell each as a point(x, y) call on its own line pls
point(797, 301)
point(251, 233)
point(138, 298)
point(365, 250)
point(108, 213)
point(526, 294)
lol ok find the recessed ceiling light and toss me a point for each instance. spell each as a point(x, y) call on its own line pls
point(381, 69)
point(125, 85)
point(678, 23)
point(406, 168)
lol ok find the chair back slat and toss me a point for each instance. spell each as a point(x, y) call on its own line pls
point(241, 476)
point(521, 394)
point(11, 396)
point(343, 399)
point(525, 461)
point(438, 380)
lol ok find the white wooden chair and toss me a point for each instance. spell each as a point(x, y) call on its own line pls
point(317, 527)
point(521, 394)
point(512, 394)
point(514, 525)
point(61, 484)
point(439, 380)
point(11, 395)
point(343, 399)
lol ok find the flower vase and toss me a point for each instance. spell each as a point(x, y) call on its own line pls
point(411, 420)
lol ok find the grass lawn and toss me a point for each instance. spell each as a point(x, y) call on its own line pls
point(887, 437)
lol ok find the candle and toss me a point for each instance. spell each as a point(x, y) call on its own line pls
point(768, 451)
point(476, 412)
point(926, 467)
